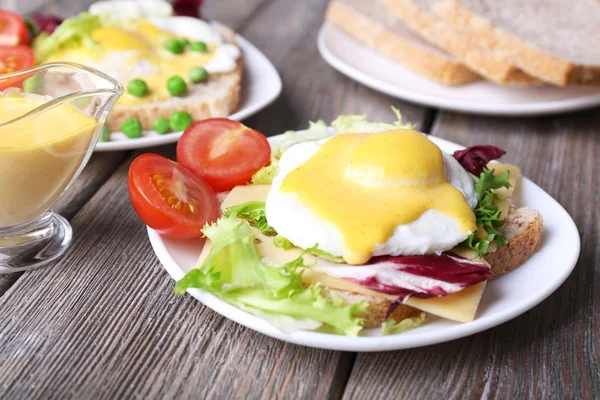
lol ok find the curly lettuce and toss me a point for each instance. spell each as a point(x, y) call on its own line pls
point(73, 32)
point(359, 124)
point(390, 327)
point(488, 216)
point(234, 272)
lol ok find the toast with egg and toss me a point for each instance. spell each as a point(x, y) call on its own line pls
point(218, 97)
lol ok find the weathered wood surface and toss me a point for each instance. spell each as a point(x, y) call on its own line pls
point(551, 351)
point(103, 323)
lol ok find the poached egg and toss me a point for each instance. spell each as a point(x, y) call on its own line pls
point(359, 195)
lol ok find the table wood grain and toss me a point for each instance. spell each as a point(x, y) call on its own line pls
point(102, 322)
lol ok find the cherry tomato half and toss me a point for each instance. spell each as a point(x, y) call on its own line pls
point(13, 30)
point(223, 152)
point(14, 59)
point(170, 198)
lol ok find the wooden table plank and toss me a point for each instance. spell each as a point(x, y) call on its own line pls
point(103, 321)
point(551, 351)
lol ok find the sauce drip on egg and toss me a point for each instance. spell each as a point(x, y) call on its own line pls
point(367, 184)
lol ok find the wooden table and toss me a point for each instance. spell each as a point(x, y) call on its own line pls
point(103, 323)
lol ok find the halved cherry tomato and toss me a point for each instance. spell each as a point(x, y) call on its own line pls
point(13, 30)
point(14, 59)
point(170, 198)
point(223, 152)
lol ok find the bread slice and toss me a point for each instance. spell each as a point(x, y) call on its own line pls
point(523, 228)
point(218, 97)
point(418, 15)
point(553, 40)
point(370, 23)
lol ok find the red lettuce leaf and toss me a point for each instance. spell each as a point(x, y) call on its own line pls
point(189, 8)
point(475, 158)
point(46, 23)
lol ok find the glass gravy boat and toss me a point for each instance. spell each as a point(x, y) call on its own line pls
point(47, 134)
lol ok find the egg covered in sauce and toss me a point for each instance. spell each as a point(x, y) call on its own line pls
point(360, 195)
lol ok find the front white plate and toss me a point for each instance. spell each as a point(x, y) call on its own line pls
point(504, 298)
point(261, 85)
point(377, 72)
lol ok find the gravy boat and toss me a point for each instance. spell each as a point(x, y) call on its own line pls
point(48, 132)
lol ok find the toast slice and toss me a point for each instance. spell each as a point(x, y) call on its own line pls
point(218, 97)
point(553, 40)
point(419, 16)
point(371, 24)
point(523, 229)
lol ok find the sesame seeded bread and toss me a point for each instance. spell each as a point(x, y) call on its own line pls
point(553, 40)
point(218, 97)
point(419, 16)
point(371, 24)
point(523, 228)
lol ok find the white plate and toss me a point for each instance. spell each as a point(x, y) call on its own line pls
point(261, 85)
point(377, 72)
point(503, 299)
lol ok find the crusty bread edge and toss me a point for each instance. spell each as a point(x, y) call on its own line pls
point(525, 55)
point(459, 45)
point(148, 113)
point(417, 58)
point(505, 259)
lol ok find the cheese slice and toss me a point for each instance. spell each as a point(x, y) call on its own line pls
point(460, 306)
point(514, 173)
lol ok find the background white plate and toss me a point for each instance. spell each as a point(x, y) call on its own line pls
point(503, 299)
point(377, 72)
point(261, 85)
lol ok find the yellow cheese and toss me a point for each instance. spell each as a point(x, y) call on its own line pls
point(460, 306)
point(513, 177)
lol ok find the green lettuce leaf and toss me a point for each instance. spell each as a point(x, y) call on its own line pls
point(359, 124)
point(487, 215)
point(72, 32)
point(282, 242)
point(254, 213)
point(265, 175)
point(390, 327)
point(234, 271)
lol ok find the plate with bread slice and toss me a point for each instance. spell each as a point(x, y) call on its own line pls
point(176, 70)
point(482, 57)
point(361, 236)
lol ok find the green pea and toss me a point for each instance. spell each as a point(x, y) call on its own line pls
point(200, 47)
point(104, 134)
point(180, 121)
point(161, 125)
point(198, 75)
point(184, 42)
point(174, 46)
point(137, 87)
point(176, 85)
point(132, 128)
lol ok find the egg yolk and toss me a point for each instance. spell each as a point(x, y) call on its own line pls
point(367, 184)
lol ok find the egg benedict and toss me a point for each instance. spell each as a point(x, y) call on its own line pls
point(361, 195)
point(365, 225)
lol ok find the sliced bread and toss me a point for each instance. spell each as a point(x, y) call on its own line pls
point(371, 24)
point(418, 15)
point(218, 97)
point(553, 40)
point(523, 228)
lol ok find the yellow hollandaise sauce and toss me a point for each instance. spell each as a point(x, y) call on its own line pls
point(367, 184)
point(38, 156)
point(137, 52)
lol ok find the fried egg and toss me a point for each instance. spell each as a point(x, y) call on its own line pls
point(364, 195)
point(135, 49)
